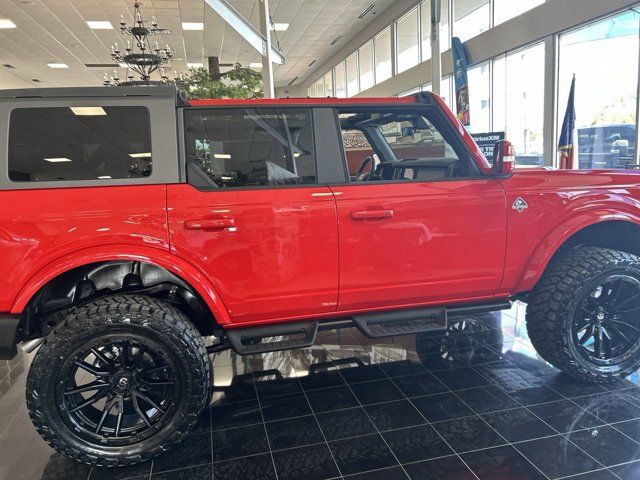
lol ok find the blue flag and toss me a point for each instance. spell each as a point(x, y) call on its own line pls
point(565, 144)
point(462, 83)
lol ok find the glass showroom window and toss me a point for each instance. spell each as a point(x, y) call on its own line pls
point(518, 94)
point(425, 28)
point(320, 88)
point(311, 91)
point(504, 10)
point(407, 49)
point(365, 59)
point(471, 17)
point(341, 80)
point(480, 98)
point(382, 53)
point(601, 54)
point(353, 87)
point(446, 91)
point(328, 84)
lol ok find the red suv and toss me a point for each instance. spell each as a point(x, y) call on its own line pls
point(134, 224)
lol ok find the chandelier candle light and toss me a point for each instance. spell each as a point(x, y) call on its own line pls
point(139, 56)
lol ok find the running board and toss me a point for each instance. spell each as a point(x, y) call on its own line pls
point(247, 341)
point(403, 322)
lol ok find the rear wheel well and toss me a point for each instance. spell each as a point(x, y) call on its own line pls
point(86, 283)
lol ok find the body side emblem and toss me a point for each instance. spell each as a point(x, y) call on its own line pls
point(519, 205)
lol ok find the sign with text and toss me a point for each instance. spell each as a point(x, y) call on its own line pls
point(487, 142)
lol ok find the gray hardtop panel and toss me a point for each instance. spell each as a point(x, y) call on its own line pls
point(90, 92)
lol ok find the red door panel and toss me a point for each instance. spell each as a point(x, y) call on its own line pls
point(413, 243)
point(271, 253)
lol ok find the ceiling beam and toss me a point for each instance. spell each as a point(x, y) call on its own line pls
point(245, 29)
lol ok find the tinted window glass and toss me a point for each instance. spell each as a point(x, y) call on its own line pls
point(79, 143)
point(250, 147)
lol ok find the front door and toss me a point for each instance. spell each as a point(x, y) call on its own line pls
point(418, 223)
point(252, 216)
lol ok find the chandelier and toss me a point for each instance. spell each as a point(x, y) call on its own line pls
point(138, 57)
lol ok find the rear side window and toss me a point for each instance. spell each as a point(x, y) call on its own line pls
point(79, 143)
point(249, 147)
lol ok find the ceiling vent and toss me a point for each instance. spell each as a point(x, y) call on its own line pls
point(35, 80)
point(336, 40)
point(311, 63)
point(367, 10)
point(8, 65)
point(292, 81)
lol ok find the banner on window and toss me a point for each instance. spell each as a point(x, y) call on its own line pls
point(487, 141)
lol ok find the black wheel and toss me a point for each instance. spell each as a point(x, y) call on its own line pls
point(584, 314)
point(119, 381)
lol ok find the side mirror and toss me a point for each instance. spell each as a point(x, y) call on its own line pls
point(504, 158)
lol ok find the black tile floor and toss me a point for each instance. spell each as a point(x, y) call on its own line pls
point(474, 404)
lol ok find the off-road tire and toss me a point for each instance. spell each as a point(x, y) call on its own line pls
point(140, 315)
point(552, 303)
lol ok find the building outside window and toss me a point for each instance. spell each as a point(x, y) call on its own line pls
point(382, 52)
point(504, 10)
point(606, 88)
point(518, 96)
point(365, 59)
point(471, 17)
point(341, 80)
point(353, 81)
point(407, 49)
point(480, 98)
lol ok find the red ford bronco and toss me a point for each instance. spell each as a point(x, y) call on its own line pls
point(133, 224)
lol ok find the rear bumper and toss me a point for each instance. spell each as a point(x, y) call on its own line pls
point(8, 335)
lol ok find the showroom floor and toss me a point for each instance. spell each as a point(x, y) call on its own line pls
point(476, 403)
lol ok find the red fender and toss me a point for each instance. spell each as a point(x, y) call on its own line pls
point(161, 258)
point(560, 234)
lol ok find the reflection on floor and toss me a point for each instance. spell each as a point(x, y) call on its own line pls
point(476, 403)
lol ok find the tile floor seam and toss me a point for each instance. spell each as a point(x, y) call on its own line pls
point(374, 425)
point(322, 433)
point(264, 425)
point(501, 436)
point(436, 430)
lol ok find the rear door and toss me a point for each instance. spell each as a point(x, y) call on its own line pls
point(423, 225)
point(253, 216)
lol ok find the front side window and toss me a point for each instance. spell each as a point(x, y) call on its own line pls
point(401, 145)
point(249, 147)
point(79, 143)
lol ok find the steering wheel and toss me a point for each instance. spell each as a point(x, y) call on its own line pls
point(360, 175)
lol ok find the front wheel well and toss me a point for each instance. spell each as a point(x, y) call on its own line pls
point(614, 234)
point(83, 284)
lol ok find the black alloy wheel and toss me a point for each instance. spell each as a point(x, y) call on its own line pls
point(606, 324)
point(118, 390)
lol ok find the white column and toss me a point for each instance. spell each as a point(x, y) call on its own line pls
point(550, 122)
point(267, 59)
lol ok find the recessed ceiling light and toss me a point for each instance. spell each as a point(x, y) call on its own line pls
point(194, 65)
point(192, 26)
point(140, 155)
point(105, 177)
point(57, 160)
point(123, 65)
point(222, 156)
point(6, 23)
point(88, 111)
point(57, 65)
point(279, 27)
point(99, 25)
point(255, 65)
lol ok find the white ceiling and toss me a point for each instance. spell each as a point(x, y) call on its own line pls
point(56, 31)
